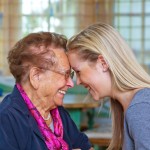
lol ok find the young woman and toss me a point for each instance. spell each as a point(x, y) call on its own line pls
point(106, 66)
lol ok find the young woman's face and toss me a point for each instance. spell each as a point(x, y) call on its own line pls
point(93, 76)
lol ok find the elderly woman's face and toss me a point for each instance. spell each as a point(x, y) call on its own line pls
point(54, 84)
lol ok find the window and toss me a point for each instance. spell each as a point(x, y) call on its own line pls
point(132, 19)
point(48, 15)
point(20, 17)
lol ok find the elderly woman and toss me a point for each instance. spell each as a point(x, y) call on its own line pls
point(32, 116)
point(107, 67)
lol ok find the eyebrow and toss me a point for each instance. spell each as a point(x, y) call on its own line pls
point(75, 68)
point(67, 69)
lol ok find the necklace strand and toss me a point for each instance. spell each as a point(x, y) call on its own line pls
point(48, 117)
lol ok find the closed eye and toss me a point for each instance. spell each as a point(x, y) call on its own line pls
point(77, 73)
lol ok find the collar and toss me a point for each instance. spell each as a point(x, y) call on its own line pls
point(19, 104)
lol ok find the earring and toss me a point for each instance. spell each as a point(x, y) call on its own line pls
point(105, 69)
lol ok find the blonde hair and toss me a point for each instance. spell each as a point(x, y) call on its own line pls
point(126, 72)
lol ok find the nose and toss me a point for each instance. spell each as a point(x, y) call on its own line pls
point(70, 83)
point(78, 81)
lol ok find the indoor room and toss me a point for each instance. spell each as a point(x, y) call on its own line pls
point(131, 18)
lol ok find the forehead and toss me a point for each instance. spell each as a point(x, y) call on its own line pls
point(75, 60)
point(62, 58)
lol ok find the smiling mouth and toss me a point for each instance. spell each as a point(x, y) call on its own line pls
point(62, 92)
point(87, 87)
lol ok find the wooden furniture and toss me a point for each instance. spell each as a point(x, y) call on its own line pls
point(79, 101)
point(100, 136)
point(76, 103)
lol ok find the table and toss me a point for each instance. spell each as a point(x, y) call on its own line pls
point(76, 103)
point(100, 136)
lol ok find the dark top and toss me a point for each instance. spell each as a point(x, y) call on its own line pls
point(19, 130)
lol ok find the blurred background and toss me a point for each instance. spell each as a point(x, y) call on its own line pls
point(21, 17)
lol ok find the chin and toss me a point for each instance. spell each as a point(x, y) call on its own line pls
point(95, 98)
point(59, 102)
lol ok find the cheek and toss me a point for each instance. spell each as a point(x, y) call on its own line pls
point(87, 80)
point(90, 77)
point(57, 85)
point(46, 89)
point(83, 78)
point(93, 82)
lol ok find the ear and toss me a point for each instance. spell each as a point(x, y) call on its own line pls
point(103, 63)
point(34, 77)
